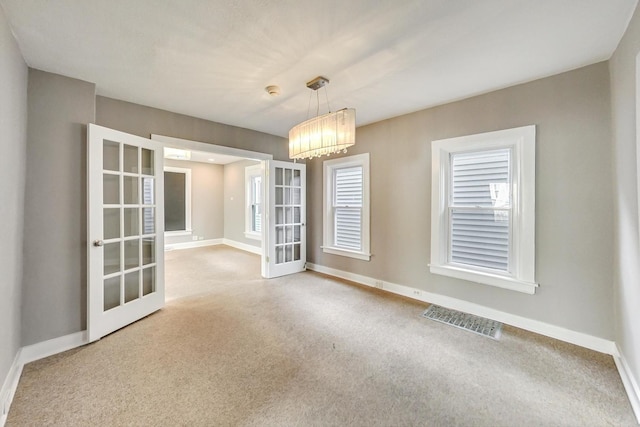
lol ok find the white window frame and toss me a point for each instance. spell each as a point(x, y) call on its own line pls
point(521, 142)
point(187, 201)
point(328, 246)
point(251, 172)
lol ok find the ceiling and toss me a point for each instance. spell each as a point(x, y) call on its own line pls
point(213, 59)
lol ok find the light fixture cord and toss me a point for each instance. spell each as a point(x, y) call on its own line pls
point(309, 106)
point(326, 94)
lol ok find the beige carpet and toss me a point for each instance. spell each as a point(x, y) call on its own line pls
point(307, 350)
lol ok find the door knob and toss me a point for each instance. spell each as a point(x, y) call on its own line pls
point(97, 243)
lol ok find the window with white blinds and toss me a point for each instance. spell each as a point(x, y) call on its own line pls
point(347, 207)
point(346, 219)
point(256, 204)
point(253, 202)
point(483, 208)
point(480, 209)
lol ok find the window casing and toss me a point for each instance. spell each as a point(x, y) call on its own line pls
point(346, 207)
point(253, 205)
point(483, 208)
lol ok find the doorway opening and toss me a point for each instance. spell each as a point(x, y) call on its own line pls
point(213, 201)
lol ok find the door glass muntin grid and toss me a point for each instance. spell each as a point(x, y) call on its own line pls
point(129, 232)
point(288, 204)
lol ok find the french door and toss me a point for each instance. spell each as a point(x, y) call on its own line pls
point(125, 229)
point(285, 240)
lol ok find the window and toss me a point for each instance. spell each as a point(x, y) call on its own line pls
point(346, 207)
point(483, 207)
point(177, 201)
point(253, 196)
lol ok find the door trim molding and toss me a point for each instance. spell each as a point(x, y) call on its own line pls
point(211, 148)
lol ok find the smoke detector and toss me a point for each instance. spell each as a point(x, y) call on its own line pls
point(273, 90)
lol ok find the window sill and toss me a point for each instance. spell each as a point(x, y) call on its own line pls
point(485, 278)
point(253, 235)
point(345, 252)
point(178, 233)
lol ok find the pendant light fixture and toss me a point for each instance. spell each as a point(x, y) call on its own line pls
point(324, 134)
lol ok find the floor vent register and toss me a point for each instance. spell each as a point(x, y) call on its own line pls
point(468, 322)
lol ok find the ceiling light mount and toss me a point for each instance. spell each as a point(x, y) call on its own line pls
point(318, 83)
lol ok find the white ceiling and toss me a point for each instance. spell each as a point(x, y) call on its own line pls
point(213, 59)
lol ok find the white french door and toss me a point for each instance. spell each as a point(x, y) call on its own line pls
point(125, 229)
point(285, 240)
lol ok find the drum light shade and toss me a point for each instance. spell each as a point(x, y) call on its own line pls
point(323, 135)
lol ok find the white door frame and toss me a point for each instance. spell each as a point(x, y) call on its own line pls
point(188, 144)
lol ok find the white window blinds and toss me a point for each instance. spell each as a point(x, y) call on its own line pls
point(347, 206)
point(256, 203)
point(480, 209)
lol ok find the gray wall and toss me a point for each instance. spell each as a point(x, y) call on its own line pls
point(143, 121)
point(13, 142)
point(55, 220)
point(207, 200)
point(625, 190)
point(54, 284)
point(234, 202)
point(573, 198)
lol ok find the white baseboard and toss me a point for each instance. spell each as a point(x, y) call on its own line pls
point(578, 338)
point(9, 387)
point(192, 244)
point(242, 246)
point(212, 242)
point(33, 352)
point(629, 381)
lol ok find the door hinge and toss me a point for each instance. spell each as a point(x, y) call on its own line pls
point(267, 258)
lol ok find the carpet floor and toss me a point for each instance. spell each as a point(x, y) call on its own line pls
point(233, 349)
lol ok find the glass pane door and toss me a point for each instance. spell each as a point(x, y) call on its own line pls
point(287, 208)
point(125, 229)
